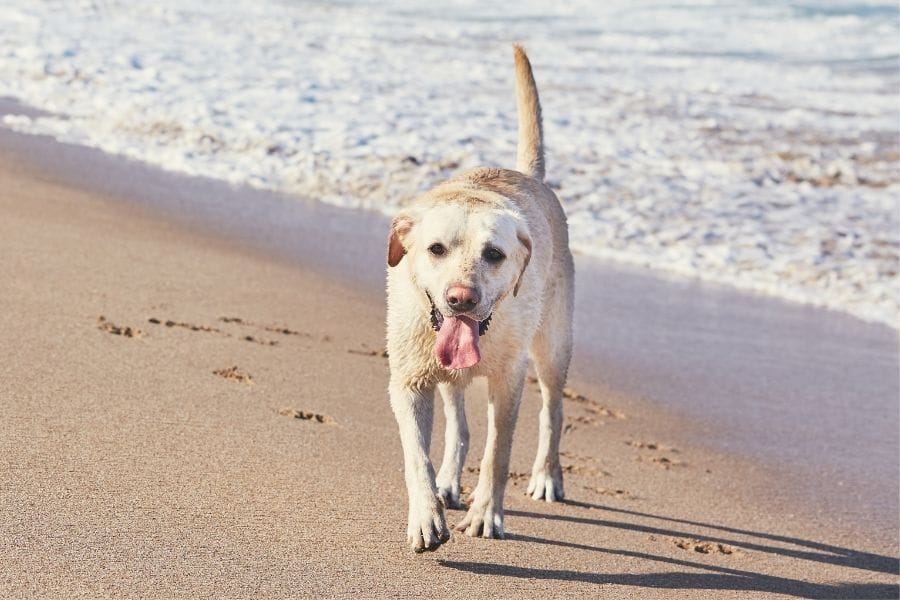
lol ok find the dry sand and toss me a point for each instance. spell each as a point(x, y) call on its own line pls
point(182, 416)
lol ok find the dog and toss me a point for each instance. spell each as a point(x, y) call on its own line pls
point(479, 278)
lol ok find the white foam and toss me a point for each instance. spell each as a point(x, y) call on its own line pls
point(744, 143)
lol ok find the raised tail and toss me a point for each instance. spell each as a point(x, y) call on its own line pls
point(530, 160)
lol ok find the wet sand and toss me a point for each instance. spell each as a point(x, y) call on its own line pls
point(193, 404)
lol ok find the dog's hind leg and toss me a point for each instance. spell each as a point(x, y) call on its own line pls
point(551, 351)
point(485, 516)
point(414, 409)
point(456, 445)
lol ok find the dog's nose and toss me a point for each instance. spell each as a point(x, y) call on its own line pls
point(462, 298)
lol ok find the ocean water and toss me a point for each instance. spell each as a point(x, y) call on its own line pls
point(755, 144)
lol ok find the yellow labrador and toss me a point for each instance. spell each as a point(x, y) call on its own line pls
point(480, 277)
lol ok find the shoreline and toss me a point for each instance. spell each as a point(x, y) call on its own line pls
point(167, 270)
point(687, 349)
point(765, 285)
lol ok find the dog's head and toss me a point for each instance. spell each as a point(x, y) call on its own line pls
point(466, 256)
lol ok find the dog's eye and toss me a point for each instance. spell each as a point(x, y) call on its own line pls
point(437, 249)
point(492, 255)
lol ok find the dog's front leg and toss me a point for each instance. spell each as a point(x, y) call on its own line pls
point(485, 516)
point(414, 410)
point(456, 444)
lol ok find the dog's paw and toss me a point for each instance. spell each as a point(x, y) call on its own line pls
point(546, 486)
point(482, 520)
point(427, 528)
point(449, 492)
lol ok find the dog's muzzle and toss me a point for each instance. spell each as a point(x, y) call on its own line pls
point(437, 318)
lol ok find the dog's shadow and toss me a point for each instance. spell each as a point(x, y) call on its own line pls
point(711, 577)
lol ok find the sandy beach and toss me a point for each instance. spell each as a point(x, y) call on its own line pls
point(186, 415)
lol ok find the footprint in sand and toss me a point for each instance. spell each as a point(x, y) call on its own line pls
point(583, 471)
point(189, 326)
point(125, 331)
point(663, 462)
point(307, 416)
point(216, 330)
point(704, 547)
point(591, 406)
point(573, 422)
point(622, 494)
point(260, 341)
point(382, 354)
point(273, 328)
point(514, 476)
point(234, 374)
point(600, 410)
point(577, 457)
point(651, 446)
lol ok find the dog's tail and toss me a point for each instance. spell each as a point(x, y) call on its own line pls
point(530, 159)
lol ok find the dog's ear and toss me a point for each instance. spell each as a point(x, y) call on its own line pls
point(399, 228)
point(525, 239)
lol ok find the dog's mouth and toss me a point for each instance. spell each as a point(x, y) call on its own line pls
point(457, 338)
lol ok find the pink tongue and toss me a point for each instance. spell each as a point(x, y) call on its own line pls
point(457, 343)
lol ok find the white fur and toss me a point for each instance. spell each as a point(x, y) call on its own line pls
point(529, 296)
